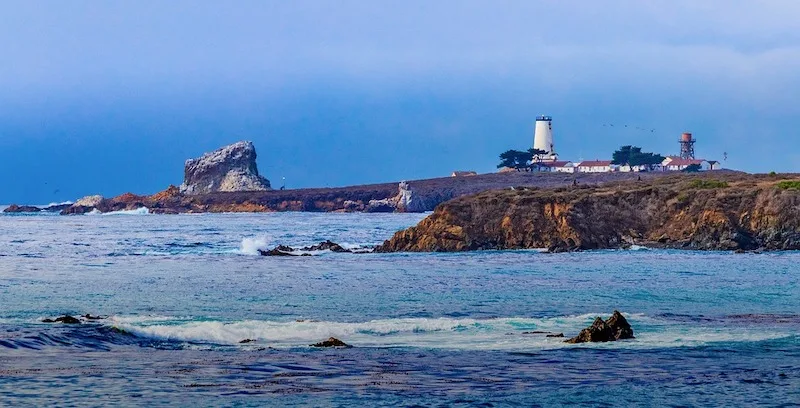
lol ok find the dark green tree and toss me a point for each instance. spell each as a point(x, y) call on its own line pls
point(693, 168)
point(514, 159)
point(633, 156)
point(535, 155)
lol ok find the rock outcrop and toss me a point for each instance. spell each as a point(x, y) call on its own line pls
point(738, 212)
point(332, 342)
point(13, 208)
point(613, 329)
point(230, 168)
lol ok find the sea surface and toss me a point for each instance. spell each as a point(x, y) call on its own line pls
point(180, 292)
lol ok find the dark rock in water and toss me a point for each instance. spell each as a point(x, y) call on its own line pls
point(280, 250)
point(66, 319)
point(229, 169)
point(245, 341)
point(13, 208)
point(613, 329)
point(284, 250)
point(327, 246)
point(620, 327)
point(332, 342)
point(559, 335)
point(90, 317)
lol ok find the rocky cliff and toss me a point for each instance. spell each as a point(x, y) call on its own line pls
point(681, 211)
point(230, 168)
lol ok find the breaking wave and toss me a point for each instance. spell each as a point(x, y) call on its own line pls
point(511, 334)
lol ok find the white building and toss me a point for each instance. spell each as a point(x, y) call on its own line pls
point(674, 163)
point(555, 167)
point(543, 138)
point(595, 166)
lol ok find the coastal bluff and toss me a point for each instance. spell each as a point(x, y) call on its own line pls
point(716, 211)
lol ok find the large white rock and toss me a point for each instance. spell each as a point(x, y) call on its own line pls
point(89, 201)
point(230, 168)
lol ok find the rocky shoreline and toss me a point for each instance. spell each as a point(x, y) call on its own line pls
point(704, 212)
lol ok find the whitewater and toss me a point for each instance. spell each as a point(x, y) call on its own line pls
point(193, 314)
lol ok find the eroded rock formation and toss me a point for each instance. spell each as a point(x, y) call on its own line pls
point(230, 168)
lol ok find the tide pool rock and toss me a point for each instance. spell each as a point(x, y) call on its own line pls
point(230, 168)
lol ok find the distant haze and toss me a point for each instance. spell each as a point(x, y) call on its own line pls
point(113, 96)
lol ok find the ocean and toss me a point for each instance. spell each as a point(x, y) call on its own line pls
point(179, 294)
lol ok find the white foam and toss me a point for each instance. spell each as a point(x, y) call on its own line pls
point(138, 211)
point(251, 245)
point(446, 333)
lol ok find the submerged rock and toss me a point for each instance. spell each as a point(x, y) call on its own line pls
point(66, 319)
point(245, 341)
point(613, 329)
point(230, 168)
point(332, 342)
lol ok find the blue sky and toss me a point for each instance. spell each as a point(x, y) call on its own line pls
point(109, 97)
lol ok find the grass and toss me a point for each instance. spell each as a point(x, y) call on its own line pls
point(789, 185)
point(707, 184)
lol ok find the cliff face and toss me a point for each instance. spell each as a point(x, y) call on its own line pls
point(747, 212)
point(230, 168)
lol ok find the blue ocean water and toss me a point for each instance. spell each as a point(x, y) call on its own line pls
point(182, 291)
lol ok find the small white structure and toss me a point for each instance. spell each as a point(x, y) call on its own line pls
point(543, 139)
point(555, 167)
point(595, 166)
point(463, 173)
point(674, 163)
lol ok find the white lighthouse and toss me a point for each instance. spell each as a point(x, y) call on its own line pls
point(543, 139)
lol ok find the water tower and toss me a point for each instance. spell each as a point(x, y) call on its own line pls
point(543, 138)
point(687, 146)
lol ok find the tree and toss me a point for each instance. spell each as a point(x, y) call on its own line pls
point(633, 156)
point(514, 159)
point(693, 168)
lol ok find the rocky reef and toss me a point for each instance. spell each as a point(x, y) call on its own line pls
point(230, 168)
point(727, 212)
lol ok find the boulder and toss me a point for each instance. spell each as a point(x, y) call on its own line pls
point(230, 168)
point(332, 342)
point(613, 329)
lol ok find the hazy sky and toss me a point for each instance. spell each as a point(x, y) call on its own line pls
point(103, 97)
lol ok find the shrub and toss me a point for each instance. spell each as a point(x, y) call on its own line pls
point(707, 184)
point(789, 185)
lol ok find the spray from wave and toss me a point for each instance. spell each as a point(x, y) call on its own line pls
point(251, 245)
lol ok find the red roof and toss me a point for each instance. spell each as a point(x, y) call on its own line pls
point(595, 163)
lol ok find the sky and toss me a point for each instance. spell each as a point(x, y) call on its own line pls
point(113, 96)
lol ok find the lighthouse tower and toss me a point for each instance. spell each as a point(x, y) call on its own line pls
point(543, 139)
